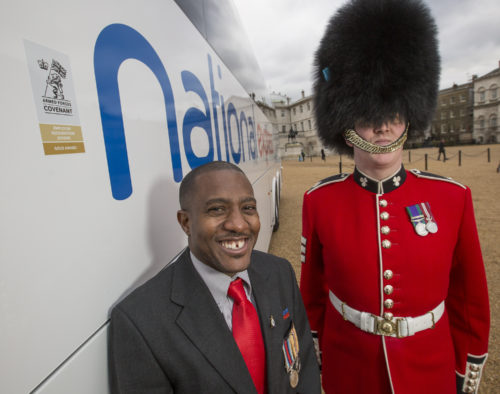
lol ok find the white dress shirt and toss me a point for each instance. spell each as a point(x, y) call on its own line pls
point(218, 284)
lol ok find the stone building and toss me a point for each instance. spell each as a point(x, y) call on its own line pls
point(296, 126)
point(466, 113)
point(487, 107)
point(454, 113)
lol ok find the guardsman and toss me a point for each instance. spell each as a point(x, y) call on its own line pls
point(392, 278)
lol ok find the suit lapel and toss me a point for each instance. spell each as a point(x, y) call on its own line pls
point(202, 322)
point(266, 296)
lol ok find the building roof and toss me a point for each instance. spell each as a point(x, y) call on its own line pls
point(456, 87)
point(492, 73)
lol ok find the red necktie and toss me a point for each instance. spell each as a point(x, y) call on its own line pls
point(248, 335)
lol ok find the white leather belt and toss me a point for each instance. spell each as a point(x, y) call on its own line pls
point(399, 327)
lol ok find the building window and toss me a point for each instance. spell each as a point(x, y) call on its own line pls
point(493, 121)
point(295, 126)
point(481, 94)
point(309, 123)
point(494, 92)
point(462, 127)
point(443, 115)
point(443, 128)
point(294, 112)
point(462, 112)
point(284, 129)
point(308, 106)
point(452, 100)
point(301, 109)
point(481, 123)
point(302, 125)
point(443, 102)
point(452, 114)
point(282, 113)
point(462, 98)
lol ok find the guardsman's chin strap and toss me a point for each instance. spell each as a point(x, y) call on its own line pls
point(354, 138)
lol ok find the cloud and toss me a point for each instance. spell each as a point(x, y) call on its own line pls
point(469, 35)
point(285, 34)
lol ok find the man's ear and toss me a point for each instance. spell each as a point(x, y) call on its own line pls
point(349, 144)
point(184, 221)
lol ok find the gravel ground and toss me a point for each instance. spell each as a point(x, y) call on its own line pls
point(475, 171)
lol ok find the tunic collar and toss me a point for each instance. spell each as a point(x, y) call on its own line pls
point(380, 187)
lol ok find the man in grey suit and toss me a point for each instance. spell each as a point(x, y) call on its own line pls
point(184, 331)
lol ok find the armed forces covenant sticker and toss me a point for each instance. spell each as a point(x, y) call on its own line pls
point(54, 95)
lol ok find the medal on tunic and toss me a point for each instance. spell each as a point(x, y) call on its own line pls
point(291, 354)
point(421, 229)
point(431, 224)
point(417, 219)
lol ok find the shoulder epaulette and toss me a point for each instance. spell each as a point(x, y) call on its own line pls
point(331, 179)
point(428, 175)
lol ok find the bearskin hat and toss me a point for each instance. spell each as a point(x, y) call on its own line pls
point(377, 59)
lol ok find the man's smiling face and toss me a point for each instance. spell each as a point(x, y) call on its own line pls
point(221, 220)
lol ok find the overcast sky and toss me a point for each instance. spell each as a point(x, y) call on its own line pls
point(286, 33)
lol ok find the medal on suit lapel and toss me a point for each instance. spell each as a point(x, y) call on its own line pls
point(294, 378)
point(291, 354)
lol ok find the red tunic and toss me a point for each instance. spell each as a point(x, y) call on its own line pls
point(346, 220)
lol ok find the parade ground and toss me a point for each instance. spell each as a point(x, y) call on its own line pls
point(475, 171)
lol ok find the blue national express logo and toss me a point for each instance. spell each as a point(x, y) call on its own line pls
point(117, 43)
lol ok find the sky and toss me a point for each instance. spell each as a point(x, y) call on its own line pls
point(285, 34)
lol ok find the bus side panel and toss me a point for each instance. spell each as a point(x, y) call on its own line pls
point(84, 373)
point(69, 250)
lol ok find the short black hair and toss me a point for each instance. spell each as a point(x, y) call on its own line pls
point(187, 187)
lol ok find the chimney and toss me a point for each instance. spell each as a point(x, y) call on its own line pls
point(288, 100)
point(303, 95)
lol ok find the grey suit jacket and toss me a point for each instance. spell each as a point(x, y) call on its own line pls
point(169, 336)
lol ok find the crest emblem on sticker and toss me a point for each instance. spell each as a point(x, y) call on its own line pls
point(54, 97)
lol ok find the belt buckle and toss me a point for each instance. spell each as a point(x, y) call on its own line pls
point(387, 327)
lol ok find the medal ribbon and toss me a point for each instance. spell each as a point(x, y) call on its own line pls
point(417, 219)
point(427, 210)
point(288, 355)
point(415, 214)
point(291, 349)
point(431, 222)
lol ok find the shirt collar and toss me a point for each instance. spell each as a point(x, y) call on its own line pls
point(218, 282)
point(383, 186)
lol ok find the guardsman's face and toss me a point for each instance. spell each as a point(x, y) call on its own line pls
point(221, 220)
point(382, 135)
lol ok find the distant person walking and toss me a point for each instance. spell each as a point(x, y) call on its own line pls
point(441, 150)
point(323, 157)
